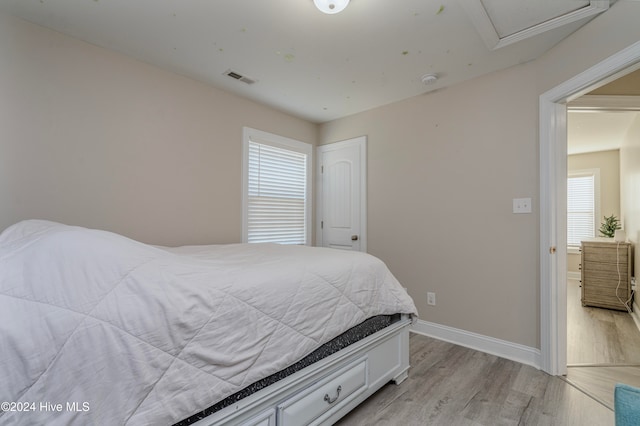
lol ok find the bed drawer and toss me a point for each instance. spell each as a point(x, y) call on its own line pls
point(268, 418)
point(311, 406)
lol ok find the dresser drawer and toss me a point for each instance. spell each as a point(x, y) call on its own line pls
point(610, 274)
point(611, 254)
point(314, 404)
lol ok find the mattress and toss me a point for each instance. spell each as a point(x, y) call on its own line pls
point(144, 335)
point(353, 335)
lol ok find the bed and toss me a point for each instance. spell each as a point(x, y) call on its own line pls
point(100, 329)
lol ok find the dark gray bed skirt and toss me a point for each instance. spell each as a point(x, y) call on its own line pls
point(354, 334)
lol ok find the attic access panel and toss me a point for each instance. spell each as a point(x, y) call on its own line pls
point(503, 22)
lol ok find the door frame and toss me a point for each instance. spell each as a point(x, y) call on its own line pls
point(361, 142)
point(553, 200)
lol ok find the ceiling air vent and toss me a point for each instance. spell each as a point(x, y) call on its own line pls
point(239, 77)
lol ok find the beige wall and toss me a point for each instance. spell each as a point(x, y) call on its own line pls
point(609, 164)
point(91, 137)
point(607, 34)
point(443, 169)
point(630, 187)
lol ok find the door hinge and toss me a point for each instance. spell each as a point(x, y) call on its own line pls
point(321, 169)
point(322, 224)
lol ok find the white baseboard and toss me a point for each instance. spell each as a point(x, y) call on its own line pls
point(502, 348)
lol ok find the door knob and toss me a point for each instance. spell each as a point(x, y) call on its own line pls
point(354, 238)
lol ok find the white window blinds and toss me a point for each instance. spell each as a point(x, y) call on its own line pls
point(277, 194)
point(581, 208)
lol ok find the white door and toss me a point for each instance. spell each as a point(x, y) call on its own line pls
point(342, 195)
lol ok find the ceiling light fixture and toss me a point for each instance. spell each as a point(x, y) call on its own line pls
point(331, 6)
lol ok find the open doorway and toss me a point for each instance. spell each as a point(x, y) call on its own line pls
point(553, 199)
point(553, 187)
point(603, 340)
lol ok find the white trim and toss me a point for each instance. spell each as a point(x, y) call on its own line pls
point(552, 116)
point(553, 159)
point(361, 143)
point(635, 314)
point(481, 20)
point(605, 103)
point(287, 143)
point(502, 348)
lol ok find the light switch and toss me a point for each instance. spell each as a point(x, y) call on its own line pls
point(522, 205)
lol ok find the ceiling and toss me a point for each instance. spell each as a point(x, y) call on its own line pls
point(315, 66)
point(591, 131)
point(600, 120)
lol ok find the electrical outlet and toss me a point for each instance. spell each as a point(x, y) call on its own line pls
point(431, 298)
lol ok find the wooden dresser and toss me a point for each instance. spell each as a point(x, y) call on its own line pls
point(604, 263)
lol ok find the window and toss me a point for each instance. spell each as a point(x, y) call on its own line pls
point(276, 189)
point(583, 205)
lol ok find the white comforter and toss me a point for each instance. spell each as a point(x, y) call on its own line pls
point(99, 329)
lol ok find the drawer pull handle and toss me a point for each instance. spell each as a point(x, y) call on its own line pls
point(329, 399)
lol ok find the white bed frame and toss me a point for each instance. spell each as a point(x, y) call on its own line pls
point(325, 391)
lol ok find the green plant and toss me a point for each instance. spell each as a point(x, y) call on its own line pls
point(609, 226)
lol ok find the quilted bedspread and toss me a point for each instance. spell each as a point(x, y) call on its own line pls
point(96, 328)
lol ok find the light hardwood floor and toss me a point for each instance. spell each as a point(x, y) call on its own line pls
point(603, 348)
point(452, 385)
point(599, 336)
